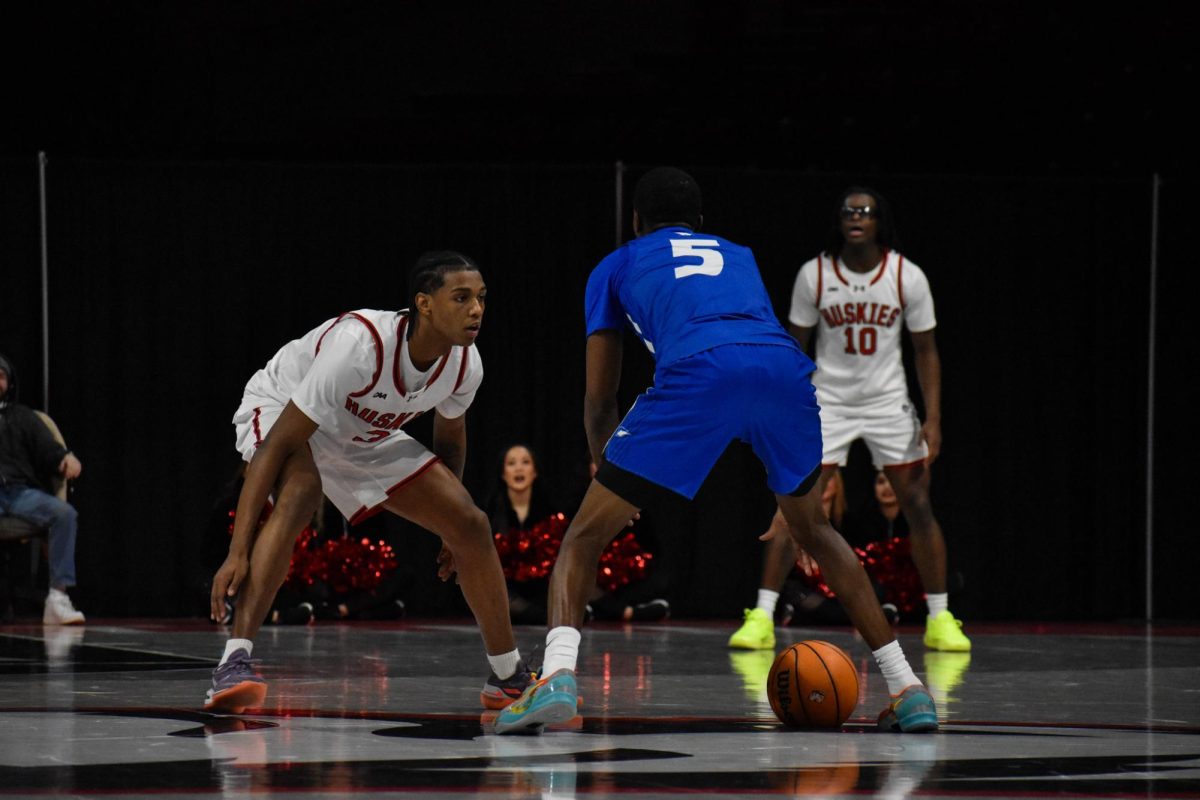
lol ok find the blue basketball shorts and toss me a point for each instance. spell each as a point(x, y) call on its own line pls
point(760, 394)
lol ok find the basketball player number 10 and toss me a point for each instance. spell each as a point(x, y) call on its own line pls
point(866, 341)
point(711, 260)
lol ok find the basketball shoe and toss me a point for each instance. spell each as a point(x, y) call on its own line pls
point(911, 711)
point(546, 702)
point(497, 693)
point(756, 633)
point(944, 632)
point(235, 687)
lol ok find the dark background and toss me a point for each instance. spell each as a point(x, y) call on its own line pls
point(221, 178)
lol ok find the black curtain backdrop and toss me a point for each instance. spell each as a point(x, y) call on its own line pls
point(173, 282)
point(20, 275)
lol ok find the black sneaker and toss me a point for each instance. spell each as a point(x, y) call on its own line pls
point(499, 693)
point(652, 611)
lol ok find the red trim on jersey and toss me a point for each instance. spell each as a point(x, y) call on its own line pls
point(905, 465)
point(398, 370)
point(878, 274)
point(462, 370)
point(882, 268)
point(820, 279)
point(900, 279)
point(365, 513)
point(257, 429)
point(378, 348)
point(441, 366)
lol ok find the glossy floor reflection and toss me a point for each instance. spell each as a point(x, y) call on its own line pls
point(668, 710)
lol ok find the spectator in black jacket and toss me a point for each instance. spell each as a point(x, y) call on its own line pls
point(29, 457)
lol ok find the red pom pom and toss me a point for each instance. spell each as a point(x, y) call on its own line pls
point(528, 555)
point(888, 564)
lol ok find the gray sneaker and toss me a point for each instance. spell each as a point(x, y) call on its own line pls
point(235, 687)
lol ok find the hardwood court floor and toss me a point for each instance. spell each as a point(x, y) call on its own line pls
point(393, 709)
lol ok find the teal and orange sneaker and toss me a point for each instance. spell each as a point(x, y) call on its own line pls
point(548, 701)
point(944, 632)
point(911, 711)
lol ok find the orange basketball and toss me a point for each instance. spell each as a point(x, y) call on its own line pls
point(813, 684)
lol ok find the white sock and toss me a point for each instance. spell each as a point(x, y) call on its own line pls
point(937, 603)
point(235, 644)
point(505, 664)
point(895, 668)
point(562, 650)
point(767, 600)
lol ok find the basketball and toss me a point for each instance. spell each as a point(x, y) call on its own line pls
point(813, 684)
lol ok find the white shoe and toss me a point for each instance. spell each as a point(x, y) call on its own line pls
point(60, 611)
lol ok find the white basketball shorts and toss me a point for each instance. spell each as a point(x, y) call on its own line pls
point(893, 435)
point(355, 479)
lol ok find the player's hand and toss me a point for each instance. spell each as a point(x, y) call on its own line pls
point(931, 432)
point(807, 563)
point(445, 562)
point(778, 527)
point(70, 467)
point(226, 583)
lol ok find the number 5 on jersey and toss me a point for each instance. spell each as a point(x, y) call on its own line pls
point(711, 260)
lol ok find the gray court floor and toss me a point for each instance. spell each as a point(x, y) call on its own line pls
point(393, 709)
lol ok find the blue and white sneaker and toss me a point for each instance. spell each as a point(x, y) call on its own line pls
point(911, 711)
point(551, 700)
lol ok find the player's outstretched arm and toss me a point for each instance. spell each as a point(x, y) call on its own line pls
point(600, 416)
point(929, 375)
point(289, 433)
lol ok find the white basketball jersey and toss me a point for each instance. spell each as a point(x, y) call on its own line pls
point(859, 317)
point(353, 376)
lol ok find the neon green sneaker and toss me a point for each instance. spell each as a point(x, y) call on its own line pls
point(756, 633)
point(944, 632)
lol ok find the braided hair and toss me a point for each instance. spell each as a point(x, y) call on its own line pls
point(429, 274)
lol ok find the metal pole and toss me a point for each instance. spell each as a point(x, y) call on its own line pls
point(1157, 185)
point(620, 201)
point(45, 283)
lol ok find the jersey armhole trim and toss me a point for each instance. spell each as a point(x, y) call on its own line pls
point(378, 348)
point(462, 370)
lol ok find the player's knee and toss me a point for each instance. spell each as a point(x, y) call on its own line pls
point(916, 506)
point(470, 527)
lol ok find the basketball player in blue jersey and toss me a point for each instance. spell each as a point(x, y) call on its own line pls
point(725, 369)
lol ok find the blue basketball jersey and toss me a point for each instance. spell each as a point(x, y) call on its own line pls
point(683, 292)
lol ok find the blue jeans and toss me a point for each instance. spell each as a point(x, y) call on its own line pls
point(46, 510)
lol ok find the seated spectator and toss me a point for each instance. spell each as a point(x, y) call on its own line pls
point(30, 457)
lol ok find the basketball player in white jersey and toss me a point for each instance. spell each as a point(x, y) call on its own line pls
point(325, 416)
point(858, 294)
